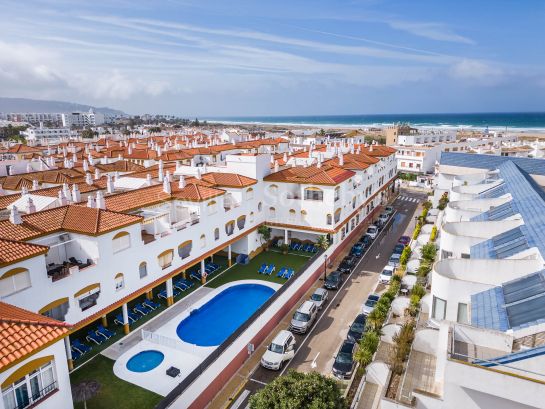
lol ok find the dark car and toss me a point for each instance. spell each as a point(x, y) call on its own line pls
point(344, 361)
point(347, 265)
point(334, 280)
point(398, 249)
point(404, 240)
point(357, 250)
point(356, 330)
point(365, 241)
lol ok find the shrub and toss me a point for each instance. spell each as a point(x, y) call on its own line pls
point(418, 290)
point(429, 251)
point(417, 230)
point(424, 214)
point(433, 234)
point(405, 255)
point(423, 270)
point(396, 278)
point(443, 201)
point(427, 204)
point(370, 341)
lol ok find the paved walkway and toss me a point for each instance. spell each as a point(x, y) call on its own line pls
point(420, 374)
point(117, 349)
point(369, 396)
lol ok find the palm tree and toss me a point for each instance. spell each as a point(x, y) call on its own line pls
point(323, 242)
point(84, 391)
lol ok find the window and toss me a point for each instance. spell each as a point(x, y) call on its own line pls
point(259, 207)
point(121, 241)
point(273, 189)
point(32, 387)
point(329, 219)
point(465, 255)
point(292, 215)
point(165, 259)
point(184, 249)
point(303, 214)
point(313, 193)
point(56, 310)
point(241, 221)
point(13, 281)
point(272, 212)
point(462, 313)
point(216, 234)
point(446, 254)
point(203, 241)
point(250, 194)
point(439, 308)
point(337, 215)
point(143, 269)
point(337, 193)
point(251, 217)
point(212, 207)
point(87, 297)
point(119, 282)
point(230, 227)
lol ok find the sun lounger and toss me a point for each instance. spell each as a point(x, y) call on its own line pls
point(142, 309)
point(91, 336)
point(262, 268)
point(180, 285)
point(189, 283)
point(105, 331)
point(76, 354)
point(289, 274)
point(152, 304)
point(270, 269)
point(196, 275)
point(80, 346)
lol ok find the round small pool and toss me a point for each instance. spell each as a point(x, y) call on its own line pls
point(145, 361)
point(212, 323)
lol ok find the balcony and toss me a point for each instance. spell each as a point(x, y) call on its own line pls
point(66, 257)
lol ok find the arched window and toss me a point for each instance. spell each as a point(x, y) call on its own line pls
point(203, 241)
point(230, 227)
point(329, 219)
point(314, 193)
point(13, 281)
point(337, 215)
point(56, 309)
point(121, 241)
point(292, 215)
point(165, 258)
point(249, 194)
point(241, 221)
point(251, 217)
point(119, 282)
point(272, 212)
point(216, 234)
point(273, 189)
point(143, 269)
point(212, 207)
point(259, 207)
point(303, 214)
point(184, 249)
point(87, 297)
point(337, 193)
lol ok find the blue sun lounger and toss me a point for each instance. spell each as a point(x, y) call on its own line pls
point(76, 354)
point(142, 309)
point(152, 304)
point(196, 275)
point(289, 274)
point(270, 269)
point(281, 272)
point(92, 336)
point(262, 269)
point(181, 285)
point(79, 346)
point(105, 331)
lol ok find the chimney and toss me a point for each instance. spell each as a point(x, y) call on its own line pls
point(28, 167)
point(74, 157)
point(88, 179)
point(276, 167)
point(66, 192)
point(97, 174)
point(100, 202)
point(198, 175)
point(166, 186)
point(181, 184)
point(148, 179)
point(341, 159)
point(14, 216)
point(76, 195)
point(116, 175)
point(30, 207)
point(109, 184)
point(62, 199)
point(24, 191)
point(285, 157)
point(90, 159)
point(85, 165)
point(35, 185)
point(90, 201)
point(167, 175)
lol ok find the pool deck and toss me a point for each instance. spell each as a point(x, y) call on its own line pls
point(178, 353)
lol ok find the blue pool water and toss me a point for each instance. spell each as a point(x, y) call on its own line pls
point(212, 323)
point(145, 361)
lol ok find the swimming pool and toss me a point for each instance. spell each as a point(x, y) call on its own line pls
point(145, 361)
point(212, 323)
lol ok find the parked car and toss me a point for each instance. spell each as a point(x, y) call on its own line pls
point(389, 210)
point(398, 249)
point(356, 330)
point(319, 297)
point(394, 260)
point(357, 250)
point(334, 280)
point(365, 241)
point(304, 317)
point(404, 240)
point(347, 265)
point(344, 361)
point(386, 275)
point(372, 231)
point(280, 350)
point(383, 218)
point(369, 304)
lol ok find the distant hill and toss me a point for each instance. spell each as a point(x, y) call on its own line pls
point(38, 105)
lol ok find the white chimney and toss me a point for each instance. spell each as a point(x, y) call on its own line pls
point(167, 175)
point(30, 207)
point(85, 165)
point(148, 179)
point(116, 175)
point(88, 179)
point(109, 184)
point(341, 159)
point(90, 201)
point(276, 167)
point(285, 157)
point(76, 195)
point(100, 202)
point(62, 199)
point(198, 175)
point(28, 168)
point(90, 159)
point(24, 191)
point(35, 185)
point(166, 186)
point(181, 183)
point(14, 216)
point(97, 174)
point(66, 192)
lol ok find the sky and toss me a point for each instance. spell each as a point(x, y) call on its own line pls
point(284, 57)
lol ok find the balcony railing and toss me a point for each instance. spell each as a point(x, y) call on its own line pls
point(28, 401)
point(58, 271)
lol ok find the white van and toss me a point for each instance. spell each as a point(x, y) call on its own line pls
point(281, 349)
point(304, 317)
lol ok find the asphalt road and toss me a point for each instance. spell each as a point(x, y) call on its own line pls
point(316, 349)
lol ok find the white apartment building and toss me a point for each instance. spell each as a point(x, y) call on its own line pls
point(484, 346)
point(81, 260)
point(83, 119)
point(32, 117)
point(41, 133)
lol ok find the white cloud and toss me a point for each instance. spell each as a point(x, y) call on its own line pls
point(432, 31)
point(477, 71)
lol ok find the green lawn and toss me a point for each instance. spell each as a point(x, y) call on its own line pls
point(249, 271)
point(114, 392)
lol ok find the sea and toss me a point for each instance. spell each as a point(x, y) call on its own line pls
point(531, 121)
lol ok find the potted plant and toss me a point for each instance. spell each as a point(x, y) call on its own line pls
point(264, 236)
point(284, 247)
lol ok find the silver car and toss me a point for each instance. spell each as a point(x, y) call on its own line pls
point(319, 297)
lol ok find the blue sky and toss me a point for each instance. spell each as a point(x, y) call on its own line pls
point(238, 57)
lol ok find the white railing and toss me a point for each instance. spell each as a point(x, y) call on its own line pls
point(161, 340)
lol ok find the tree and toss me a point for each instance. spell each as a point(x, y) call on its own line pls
point(84, 391)
point(429, 251)
point(301, 391)
point(264, 234)
point(88, 133)
point(323, 242)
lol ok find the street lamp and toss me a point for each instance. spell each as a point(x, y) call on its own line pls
point(325, 266)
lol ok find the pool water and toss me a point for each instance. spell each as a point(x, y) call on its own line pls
point(212, 323)
point(145, 361)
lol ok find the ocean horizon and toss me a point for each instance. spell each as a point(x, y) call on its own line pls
point(493, 120)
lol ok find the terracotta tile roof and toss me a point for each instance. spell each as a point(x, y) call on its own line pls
point(22, 332)
point(194, 192)
point(376, 150)
point(228, 179)
point(325, 175)
point(13, 251)
point(21, 148)
point(120, 166)
point(72, 218)
point(354, 161)
point(153, 171)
